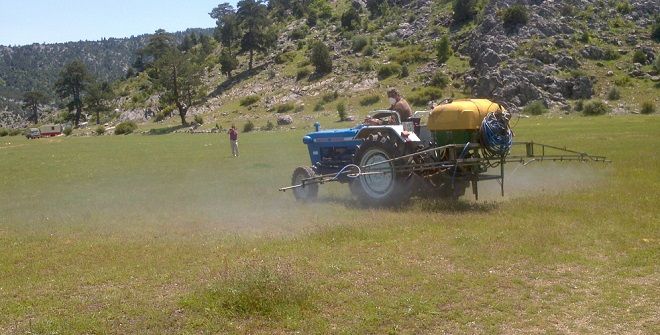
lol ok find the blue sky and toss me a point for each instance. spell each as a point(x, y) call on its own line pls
point(38, 21)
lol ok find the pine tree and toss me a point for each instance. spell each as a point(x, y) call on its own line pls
point(320, 57)
point(464, 10)
point(97, 98)
point(186, 44)
point(159, 44)
point(180, 81)
point(73, 82)
point(228, 63)
point(227, 30)
point(253, 17)
point(31, 101)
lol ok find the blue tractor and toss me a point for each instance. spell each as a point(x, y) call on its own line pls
point(438, 153)
point(337, 153)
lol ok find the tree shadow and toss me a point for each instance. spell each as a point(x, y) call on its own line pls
point(236, 79)
point(166, 130)
point(510, 30)
point(316, 76)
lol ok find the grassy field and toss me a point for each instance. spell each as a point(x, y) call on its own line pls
point(170, 234)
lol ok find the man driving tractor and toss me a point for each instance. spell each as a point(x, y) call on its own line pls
point(397, 104)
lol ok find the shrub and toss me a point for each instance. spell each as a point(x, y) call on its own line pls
point(330, 97)
point(535, 108)
point(567, 10)
point(610, 54)
point(585, 37)
point(100, 130)
point(319, 106)
point(250, 100)
point(577, 73)
point(410, 55)
point(515, 15)
point(388, 70)
point(366, 65)
point(623, 81)
point(614, 94)
point(424, 95)
point(443, 50)
point(167, 111)
point(303, 73)
point(160, 116)
point(623, 7)
point(283, 108)
point(655, 31)
point(248, 127)
point(269, 126)
point(596, 107)
point(656, 63)
point(439, 79)
point(304, 63)
point(579, 105)
point(404, 71)
point(639, 57)
point(4, 132)
point(125, 127)
point(67, 131)
point(285, 57)
point(299, 33)
point(359, 43)
point(198, 119)
point(341, 111)
point(647, 107)
point(350, 20)
point(464, 10)
point(320, 57)
point(15, 132)
point(312, 18)
point(369, 50)
point(370, 100)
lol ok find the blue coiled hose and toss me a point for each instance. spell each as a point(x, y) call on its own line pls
point(496, 136)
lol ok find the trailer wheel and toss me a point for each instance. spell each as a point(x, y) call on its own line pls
point(380, 184)
point(309, 192)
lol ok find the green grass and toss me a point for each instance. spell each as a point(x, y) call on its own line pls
point(170, 234)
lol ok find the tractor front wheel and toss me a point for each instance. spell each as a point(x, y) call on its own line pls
point(307, 192)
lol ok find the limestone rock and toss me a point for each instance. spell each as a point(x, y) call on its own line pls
point(284, 120)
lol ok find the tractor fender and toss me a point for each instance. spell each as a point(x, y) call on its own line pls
point(395, 132)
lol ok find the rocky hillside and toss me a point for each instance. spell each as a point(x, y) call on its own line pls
point(558, 53)
point(549, 58)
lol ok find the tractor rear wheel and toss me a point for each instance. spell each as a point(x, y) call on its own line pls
point(380, 184)
point(308, 192)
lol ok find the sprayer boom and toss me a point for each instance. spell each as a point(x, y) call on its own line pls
point(457, 163)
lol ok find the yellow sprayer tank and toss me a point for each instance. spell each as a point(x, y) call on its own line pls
point(459, 120)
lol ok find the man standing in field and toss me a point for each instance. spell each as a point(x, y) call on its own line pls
point(233, 139)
